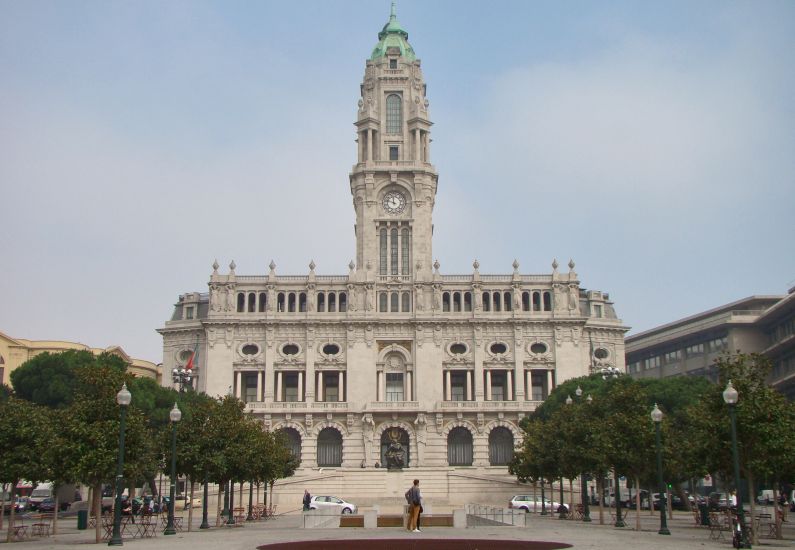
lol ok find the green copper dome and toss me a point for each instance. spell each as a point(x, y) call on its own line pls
point(393, 35)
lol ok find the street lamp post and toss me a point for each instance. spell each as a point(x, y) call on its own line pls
point(183, 377)
point(175, 415)
point(205, 524)
point(730, 396)
point(543, 500)
point(123, 398)
point(656, 417)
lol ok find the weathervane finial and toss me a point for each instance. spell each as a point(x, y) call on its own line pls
point(393, 11)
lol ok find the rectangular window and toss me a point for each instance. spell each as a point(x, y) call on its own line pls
point(393, 251)
point(458, 386)
point(393, 152)
point(538, 381)
point(597, 309)
point(291, 387)
point(189, 312)
point(394, 386)
point(250, 388)
point(332, 389)
point(498, 386)
point(393, 64)
point(404, 252)
point(382, 250)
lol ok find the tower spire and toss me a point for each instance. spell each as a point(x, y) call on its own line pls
point(393, 11)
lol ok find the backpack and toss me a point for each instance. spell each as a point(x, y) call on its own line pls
point(408, 496)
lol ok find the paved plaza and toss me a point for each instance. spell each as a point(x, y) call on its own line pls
point(288, 528)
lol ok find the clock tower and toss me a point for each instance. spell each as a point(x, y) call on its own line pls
point(393, 182)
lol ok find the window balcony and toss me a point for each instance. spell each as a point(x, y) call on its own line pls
point(375, 406)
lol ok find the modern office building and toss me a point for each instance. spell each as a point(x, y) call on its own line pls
point(758, 324)
point(394, 369)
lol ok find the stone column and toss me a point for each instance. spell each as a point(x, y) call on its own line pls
point(278, 385)
point(478, 377)
point(320, 389)
point(341, 377)
point(380, 385)
point(550, 381)
point(310, 369)
point(260, 376)
point(300, 386)
point(238, 380)
point(528, 380)
point(469, 385)
point(409, 387)
point(417, 148)
point(448, 393)
point(509, 392)
point(488, 385)
point(369, 145)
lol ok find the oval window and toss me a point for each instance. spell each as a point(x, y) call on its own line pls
point(498, 348)
point(538, 348)
point(290, 349)
point(331, 349)
point(250, 349)
point(185, 354)
point(601, 353)
point(458, 349)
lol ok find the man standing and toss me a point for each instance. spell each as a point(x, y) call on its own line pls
point(307, 500)
point(414, 499)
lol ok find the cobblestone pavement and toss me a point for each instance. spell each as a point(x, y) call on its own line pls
point(288, 528)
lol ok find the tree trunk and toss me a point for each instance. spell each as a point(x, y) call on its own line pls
point(221, 487)
point(777, 516)
point(57, 508)
point(750, 477)
point(10, 532)
point(601, 499)
point(190, 510)
point(3, 498)
point(97, 504)
point(637, 504)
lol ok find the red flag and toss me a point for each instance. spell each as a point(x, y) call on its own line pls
point(191, 361)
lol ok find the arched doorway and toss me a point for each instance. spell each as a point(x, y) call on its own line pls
point(329, 448)
point(500, 446)
point(459, 447)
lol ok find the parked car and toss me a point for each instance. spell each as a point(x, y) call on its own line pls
point(332, 503)
point(48, 505)
point(676, 501)
point(719, 501)
point(22, 505)
point(529, 503)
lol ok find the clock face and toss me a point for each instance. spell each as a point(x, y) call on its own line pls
point(394, 202)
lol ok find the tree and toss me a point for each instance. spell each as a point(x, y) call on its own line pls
point(24, 433)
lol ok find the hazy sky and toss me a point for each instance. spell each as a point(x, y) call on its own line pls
point(652, 142)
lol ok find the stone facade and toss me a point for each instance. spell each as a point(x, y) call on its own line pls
point(395, 354)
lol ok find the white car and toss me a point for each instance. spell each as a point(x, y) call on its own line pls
point(530, 504)
point(332, 503)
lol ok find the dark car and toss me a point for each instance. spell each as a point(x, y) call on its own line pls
point(48, 505)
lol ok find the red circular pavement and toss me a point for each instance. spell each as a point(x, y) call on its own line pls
point(417, 544)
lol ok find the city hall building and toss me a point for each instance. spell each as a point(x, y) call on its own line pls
point(394, 370)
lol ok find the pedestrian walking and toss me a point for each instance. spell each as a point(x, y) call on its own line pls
point(307, 500)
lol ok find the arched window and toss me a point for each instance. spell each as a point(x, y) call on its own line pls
point(263, 301)
point(343, 302)
point(332, 302)
point(446, 301)
point(394, 121)
point(547, 301)
point(280, 302)
point(382, 251)
point(525, 301)
point(321, 301)
point(497, 302)
point(395, 448)
point(329, 448)
point(393, 251)
point(536, 301)
point(291, 302)
point(467, 301)
point(456, 301)
point(302, 302)
point(252, 302)
point(459, 447)
point(500, 446)
point(293, 441)
point(404, 252)
point(382, 298)
point(506, 300)
point(394, 305)
point(406, 302)
point(486, 301)
point(241, 302)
